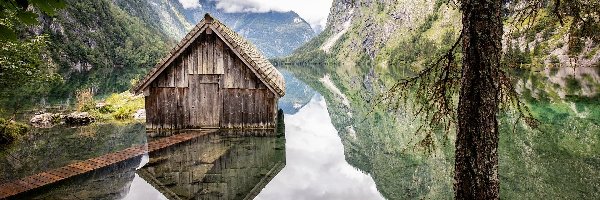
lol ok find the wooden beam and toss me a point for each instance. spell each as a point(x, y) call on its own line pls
point(170, 59)
point(211, 26)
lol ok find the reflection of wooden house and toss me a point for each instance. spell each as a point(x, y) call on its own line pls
point(212, 79)
point(215, 167)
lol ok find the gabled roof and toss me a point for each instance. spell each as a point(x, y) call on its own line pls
point(247, 52)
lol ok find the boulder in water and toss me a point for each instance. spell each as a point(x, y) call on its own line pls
point(79, 118)
point(46, 120)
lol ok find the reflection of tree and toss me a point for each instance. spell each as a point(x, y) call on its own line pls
point(59, 146)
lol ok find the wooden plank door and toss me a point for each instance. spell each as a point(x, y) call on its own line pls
point(206, 106)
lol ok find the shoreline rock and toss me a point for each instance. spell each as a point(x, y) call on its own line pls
point(48, 120)
point(79, 119)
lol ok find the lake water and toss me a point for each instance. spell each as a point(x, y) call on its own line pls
point(334, 148)
point(316, 166)
point(308, 163)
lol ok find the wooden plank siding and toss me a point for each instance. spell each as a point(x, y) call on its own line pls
point(248, 108)
point(209, 86)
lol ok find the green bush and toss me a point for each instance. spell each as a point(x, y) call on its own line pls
point(123, 113)
point(107, 109)
point(119, 106)
point(11, 131)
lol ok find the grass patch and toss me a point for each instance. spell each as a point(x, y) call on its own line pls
point(118, 106)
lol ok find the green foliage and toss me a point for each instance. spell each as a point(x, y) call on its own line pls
point(15, 12)
point(408, 57)
point(106, 109)
point(514, 57)
point(102, 47)
point(576, 19)
point(122, 113)
point(11, 131)
point(573, 84)
point(24, 76)
point(119, 106)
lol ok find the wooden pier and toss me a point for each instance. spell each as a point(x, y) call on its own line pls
point(49, 177)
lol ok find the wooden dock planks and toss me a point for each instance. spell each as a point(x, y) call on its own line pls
point(55, 175)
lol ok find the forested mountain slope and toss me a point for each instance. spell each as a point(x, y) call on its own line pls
point(105, 45)
point(98, 45)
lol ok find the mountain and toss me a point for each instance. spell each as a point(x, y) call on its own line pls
point(368, 46)
point(107, 44)
point(275, 33)
point(163, 15)
point(97, 45)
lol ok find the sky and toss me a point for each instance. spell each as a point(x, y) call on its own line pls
point(315, 12)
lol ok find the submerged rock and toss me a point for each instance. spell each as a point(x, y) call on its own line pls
point(79, 118)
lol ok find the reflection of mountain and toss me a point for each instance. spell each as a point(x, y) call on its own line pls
point(369, 45)
point(297, 93)
point(315, 164)
point(215, 166)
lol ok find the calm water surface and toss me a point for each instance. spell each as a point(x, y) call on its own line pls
point(316, 166)
point(308, 163)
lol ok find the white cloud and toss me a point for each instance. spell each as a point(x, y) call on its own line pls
point(316, 167)
point(188, 4)
point(315, 12)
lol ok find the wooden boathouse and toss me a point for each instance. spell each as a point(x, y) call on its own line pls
point(213, 78)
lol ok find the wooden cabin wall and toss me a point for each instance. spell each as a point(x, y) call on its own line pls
point(208, 85)
point(166, 108)
point(248, 103)
point(247, 108)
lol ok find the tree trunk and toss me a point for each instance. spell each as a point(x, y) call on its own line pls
point(476, 167)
